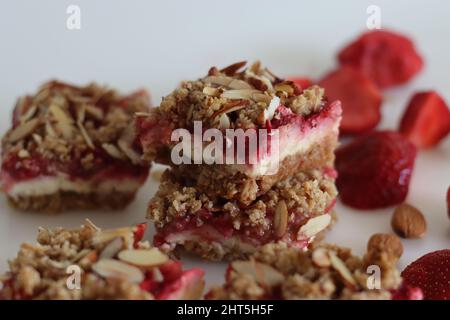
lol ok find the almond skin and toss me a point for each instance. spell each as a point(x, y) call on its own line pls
point(408, 222)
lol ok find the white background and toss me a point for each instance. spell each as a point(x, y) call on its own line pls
point(131, 44)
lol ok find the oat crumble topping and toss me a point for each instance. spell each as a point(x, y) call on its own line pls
point(63, 122)
point(237, 97)
point(324, 272)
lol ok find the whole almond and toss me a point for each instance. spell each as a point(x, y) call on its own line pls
point(408, 222)
point(389, 243)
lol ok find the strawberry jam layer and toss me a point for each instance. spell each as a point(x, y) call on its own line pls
point(15, 169)
point(154, 134)
point(218, 227)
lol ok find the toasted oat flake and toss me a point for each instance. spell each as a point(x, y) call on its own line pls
point(263, 273)
point(210, 91)
point(23, 153)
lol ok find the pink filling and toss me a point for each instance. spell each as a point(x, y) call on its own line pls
point(155, 134)
point(218, 227)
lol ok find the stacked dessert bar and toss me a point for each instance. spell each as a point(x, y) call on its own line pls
point(281, 190)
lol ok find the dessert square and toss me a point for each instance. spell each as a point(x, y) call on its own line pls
point(110, 264)
point(302, 127)
point(324, 272)
point(295, 211)
point(73, 147)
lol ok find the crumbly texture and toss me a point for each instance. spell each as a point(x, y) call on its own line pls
point(217, 182)
point(39, 270)
point(236, 97)
point(62, 122)
point(306, 193)
point(324, 272)
point(62, 200)
point(233, 250)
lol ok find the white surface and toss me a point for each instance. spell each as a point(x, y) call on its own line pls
point(129, 44)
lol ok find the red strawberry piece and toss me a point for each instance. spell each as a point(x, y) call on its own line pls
point(407, 292)
point(448, 202)
point(385, 57)
point(139, 231)
point(431, 273)
point(375, 169)
point(300, 82)
point(187, 287)
point(361, 100)
point(426, 120)
point(171, 270)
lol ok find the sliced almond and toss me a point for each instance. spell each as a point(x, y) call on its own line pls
point(239, 84)
point(81, 113)
point(342, 270)
point(85, 135)
point(113, 151)
point(210, 91)
point(255, 67)
point(239, 94)
point(218, 80)
point(281, 219)
point(28, 114)
point(233, 68)
point(270, 111)
point(112, 248)
point(80, 255)
point(90, 224)
point(23, 130)
point(63, 121)
point(230, 107)
point(263, 273)
point(258, 83)
point(314, 226)
point(224, 121)
point(284, 87)
point(142, 114)
point(143, 258)
point(37, 138)
point(94, 112)
point(23, 153)
point(321, 258)
point(261, 97)
point(110, 268)
point(50, 130)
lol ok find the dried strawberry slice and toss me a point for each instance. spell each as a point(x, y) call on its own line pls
point(374, 170)
point(426, 120)
point(361, 99)
point(385, 57)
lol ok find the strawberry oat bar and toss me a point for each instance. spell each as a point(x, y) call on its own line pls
point(324, 272)
point(295, 211)
point(73, 148)
point(114, 264)
point(248, 99)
